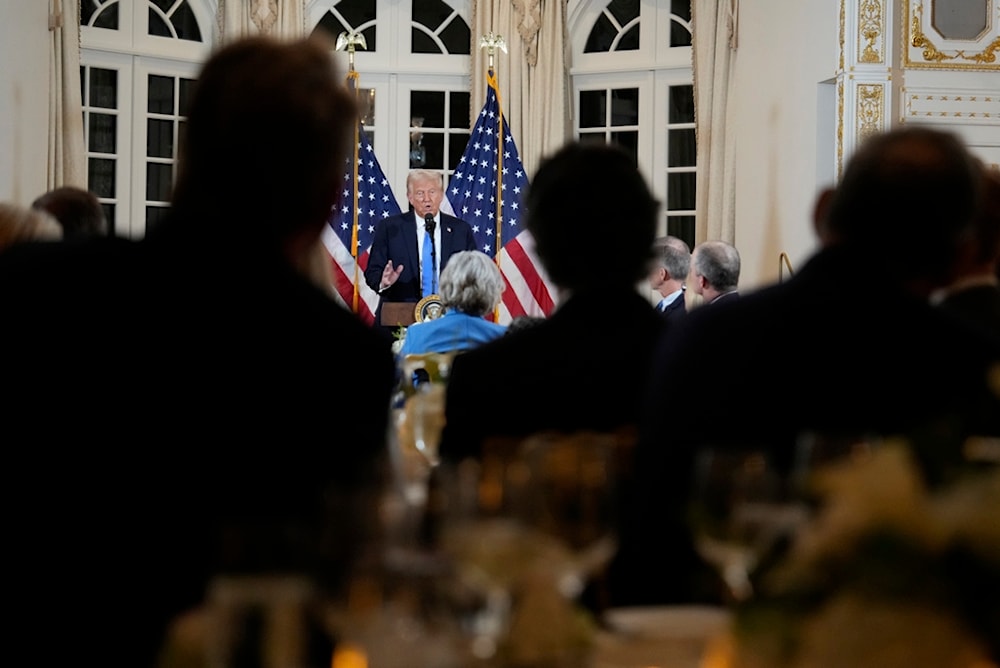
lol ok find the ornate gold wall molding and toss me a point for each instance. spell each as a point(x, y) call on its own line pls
point(871, 110)
point(871, 32)
point(965, 107)
point(925, 47)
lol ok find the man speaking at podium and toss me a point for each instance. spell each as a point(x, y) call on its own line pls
point(409, 251)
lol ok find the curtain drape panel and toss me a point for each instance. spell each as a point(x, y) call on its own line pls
point(67, 157)
point(714, 33)
point(276, 18)
point(532, 75)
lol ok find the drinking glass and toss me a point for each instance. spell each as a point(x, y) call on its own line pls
point(741, 509)
point(527, 524)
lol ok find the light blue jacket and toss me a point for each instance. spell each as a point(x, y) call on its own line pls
point(453, 331)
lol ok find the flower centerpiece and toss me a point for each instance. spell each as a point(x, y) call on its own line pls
point(889, 572)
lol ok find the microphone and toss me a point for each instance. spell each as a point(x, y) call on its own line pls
point(429, 223)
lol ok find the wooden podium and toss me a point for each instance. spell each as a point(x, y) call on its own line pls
point(395, 314)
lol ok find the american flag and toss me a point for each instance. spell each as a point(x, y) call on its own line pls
point(344, 233)
point(472, 193)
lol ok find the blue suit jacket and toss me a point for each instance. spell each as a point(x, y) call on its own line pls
point(396, 239)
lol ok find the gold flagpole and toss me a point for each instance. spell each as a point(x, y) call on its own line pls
point(491, 42)
point(351, 40)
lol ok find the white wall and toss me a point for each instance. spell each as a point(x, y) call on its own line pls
point(784, 138)
point(24, 94)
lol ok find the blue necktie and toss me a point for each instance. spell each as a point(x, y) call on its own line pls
point(427, 266)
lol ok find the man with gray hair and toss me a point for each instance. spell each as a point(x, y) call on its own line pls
point(673, 262)
point(716, 267)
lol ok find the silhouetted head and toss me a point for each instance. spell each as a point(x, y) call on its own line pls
point(77, 210)
point(906, 200)
point(592, 216)
point(267, 134)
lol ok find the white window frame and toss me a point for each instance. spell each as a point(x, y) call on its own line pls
point(135, 55)
point(652, 69)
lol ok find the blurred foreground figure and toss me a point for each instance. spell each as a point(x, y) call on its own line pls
point(974, 294)
point(817, 355)
point(581, 368)
point(192, 404)
point(18, 224)
point(78, 211)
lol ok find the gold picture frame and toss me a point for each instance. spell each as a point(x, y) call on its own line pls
point(926, 46)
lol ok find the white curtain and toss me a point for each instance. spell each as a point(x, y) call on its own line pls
point(67, 158)
point(284, 19)
point(714, 34)
point(532, 75)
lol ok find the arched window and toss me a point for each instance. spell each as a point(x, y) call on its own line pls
point(632, 85)
point(412, 77)
point(138, 60)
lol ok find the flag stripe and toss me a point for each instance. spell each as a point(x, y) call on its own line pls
point(491, 167)
point(364, 183)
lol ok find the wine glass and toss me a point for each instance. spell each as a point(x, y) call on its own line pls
point(741, 509)
point(528, 523)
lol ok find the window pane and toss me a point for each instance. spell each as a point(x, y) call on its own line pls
point(356, 13)
point(158, 179)
point(628, 141)
point(624, 10)
point(629, 40)
point(592, 138)
point(154, 216)
point(681, 227)
point(333, 26)
point(102, 133)
point(459, 114)
point(679, 35)
point(157, 26)
point(159, 138)
point(456, 147)
point(421, 42)
point(681, 8)
point(680, 191)
point(103, 88)
point(87, 9)
point(108, 18)
point(457, 37)
point(434, 151)
point(625, 106)
point(161, 95)
point(109, 215)
point(593, 108)
point(681, 104)
point(601, 36)
point(185, 23)
point(682, 151)
point(428, 105)
point(186, 88)
point(101, 177)
point(366, 105)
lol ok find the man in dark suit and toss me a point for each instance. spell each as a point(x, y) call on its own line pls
point(400, 265)
point(715, 274)
point(174, 409)
point(814, 356)
point(673, 262)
